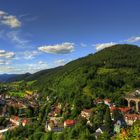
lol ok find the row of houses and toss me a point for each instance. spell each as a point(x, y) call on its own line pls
point(15, 120)
point(127, 113)
point(55, 121)
point(54, 126)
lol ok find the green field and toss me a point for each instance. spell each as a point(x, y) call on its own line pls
point(17, 94)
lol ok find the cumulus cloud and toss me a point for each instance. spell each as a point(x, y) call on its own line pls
point(7, 55)
point(63, 48)
point(133, 39)
point(9, 20)
point(104, 45)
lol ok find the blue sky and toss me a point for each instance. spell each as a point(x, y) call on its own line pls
point(41, 34)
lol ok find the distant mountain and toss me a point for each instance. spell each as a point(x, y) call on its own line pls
point(12, 77)
point(5, 77)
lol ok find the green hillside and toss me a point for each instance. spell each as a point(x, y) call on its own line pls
point(111, 72)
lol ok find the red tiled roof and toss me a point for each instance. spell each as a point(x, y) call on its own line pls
point(132, 116)
point(112, 108)
point(124, 109)
point(25, 121)
point(70, 122)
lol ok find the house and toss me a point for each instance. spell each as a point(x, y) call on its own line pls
point(52, 126)
point(15, 120)
point(99, 131)
point(86, 113)
point(55, 111)
point(56, 119)
point(131, 118)
point(25, 122)
point(107, 102)
point(69, 123)
point(98, 101)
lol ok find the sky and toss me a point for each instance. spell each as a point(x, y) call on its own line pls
point(42, 34)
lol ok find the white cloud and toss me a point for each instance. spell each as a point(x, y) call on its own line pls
point(24, 68)
point(9, 20)
point(2, 13)
point(16, 38)
point(7, 55)
point(30, 54)
point(63, 48)
point(133, 39)
point(60, 62)
point(5, 69)
point(34, 67)
point(41, 63)
point(3, 62)
point(27, 55)
point(104, 45)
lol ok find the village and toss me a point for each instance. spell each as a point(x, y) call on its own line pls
point(130, 114)
point(15, 111)
point(18, 111)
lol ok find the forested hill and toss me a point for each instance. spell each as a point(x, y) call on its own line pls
point(110, 72)
point(12, 77)
point(117, 56)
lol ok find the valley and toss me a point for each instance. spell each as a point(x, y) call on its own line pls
point(85, 99)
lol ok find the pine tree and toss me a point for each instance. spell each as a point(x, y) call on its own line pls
point(108, 121)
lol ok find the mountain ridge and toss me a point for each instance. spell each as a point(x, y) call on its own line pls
point(106, 57)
